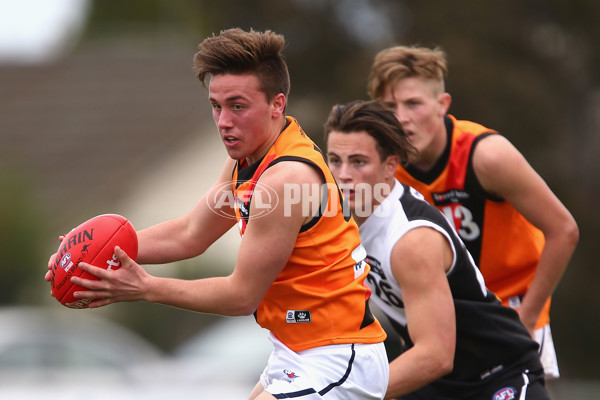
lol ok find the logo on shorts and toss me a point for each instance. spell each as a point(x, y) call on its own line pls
point(296, 316)
point(290, 375)
point(507, 393)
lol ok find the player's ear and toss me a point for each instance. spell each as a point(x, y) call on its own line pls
point(278, 103)
point(391, 165)
point(444, 101)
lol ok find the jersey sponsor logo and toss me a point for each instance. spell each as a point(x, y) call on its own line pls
point(359, 255)
point(359, 269)
point(242, 207)
point(514, 301)
point(490, 372)
point(297, 316)
point(507, 393)
point(416, 194)
point(450, 197)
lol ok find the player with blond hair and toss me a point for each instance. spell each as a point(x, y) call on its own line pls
point(520, 234)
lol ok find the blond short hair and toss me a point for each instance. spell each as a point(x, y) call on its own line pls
point(396, 63)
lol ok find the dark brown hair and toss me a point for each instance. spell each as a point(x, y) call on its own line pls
point(378, 121)
point(235, 51)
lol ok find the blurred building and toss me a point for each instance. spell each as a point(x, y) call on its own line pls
point(124, 128)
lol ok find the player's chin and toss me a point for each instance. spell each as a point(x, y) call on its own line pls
point(361, 207)
point(354, 206)
point(236, 153)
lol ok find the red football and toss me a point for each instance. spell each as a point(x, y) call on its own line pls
point(92, 242)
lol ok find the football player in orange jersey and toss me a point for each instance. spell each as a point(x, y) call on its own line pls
point(300, 267)
point(520, 234)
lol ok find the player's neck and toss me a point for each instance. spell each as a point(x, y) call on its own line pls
point(428, 157)
point(376, 200)
point(277, 128)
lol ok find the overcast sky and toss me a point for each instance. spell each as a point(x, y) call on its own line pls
point(35, 30)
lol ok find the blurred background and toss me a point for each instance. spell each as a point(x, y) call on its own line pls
point(100, 112)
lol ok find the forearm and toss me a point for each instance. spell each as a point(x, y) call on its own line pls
point(552, 264)
point(182, 238)
point(416, 368)
point(217, 295)
point(162, 243)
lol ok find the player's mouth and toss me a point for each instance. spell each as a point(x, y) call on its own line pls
point(230, 140)
point(348, 191)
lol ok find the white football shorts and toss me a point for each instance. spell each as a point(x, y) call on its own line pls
point(543, 336)
point(334, 372)
point(547, 351)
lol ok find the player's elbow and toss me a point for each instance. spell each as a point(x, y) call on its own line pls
point(243, 310)
point(244, 304)
point(442, 362)
point(563, 235)
point(445, 366)
point(571, 233)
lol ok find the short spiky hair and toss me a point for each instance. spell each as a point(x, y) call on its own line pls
point(235, 51)
point(375, 119)
point(396, 63)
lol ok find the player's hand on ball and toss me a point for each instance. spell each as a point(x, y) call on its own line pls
point(125, 284)
point(51, 261)
point(92, 242)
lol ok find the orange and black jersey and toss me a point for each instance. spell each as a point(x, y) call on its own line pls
point(319, 298)
point(505, 246)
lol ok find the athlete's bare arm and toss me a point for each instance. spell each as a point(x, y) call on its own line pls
point(420, 260)
point(192, 234)
point(264, 251)
point(503, 171)
point(187, 236)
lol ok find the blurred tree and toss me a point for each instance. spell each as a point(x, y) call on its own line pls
point(530, 69)
point(22, 227)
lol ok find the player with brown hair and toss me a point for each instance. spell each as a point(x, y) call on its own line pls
point(300, 270)
point(460, 342)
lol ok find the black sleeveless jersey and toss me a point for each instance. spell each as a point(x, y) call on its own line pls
point(489, 336)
